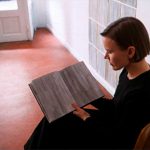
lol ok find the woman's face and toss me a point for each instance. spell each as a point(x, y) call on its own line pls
point(117, 58)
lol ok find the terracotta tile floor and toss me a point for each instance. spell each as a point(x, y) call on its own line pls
point(20, 62)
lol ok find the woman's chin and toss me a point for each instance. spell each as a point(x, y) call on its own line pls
point(115, 68)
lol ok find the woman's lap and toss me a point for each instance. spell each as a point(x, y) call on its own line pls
point(58, 134)
point(66, 132)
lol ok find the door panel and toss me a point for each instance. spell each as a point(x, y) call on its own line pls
point(11, 25)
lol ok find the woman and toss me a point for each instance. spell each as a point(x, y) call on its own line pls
point(113, 123)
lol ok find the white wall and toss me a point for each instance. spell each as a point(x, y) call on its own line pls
point(68, 20)
point(143, 8)
point(39, 13)
point(29, 19)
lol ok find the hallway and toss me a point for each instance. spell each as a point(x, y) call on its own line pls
point(20, 63)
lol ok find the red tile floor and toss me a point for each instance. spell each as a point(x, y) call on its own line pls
point(20, 63)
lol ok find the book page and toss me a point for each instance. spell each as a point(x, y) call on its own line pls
point(52, 95)
point(81, 83)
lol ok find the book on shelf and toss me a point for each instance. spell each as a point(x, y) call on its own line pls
point(57, 91)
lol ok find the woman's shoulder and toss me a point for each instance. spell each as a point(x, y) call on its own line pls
point(146, 77)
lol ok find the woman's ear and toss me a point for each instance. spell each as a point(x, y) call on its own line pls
point(131, 52)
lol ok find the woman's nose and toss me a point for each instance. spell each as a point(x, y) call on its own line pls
point(106, 56)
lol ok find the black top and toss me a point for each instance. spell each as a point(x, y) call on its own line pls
point(128, 112)
point(116, 124)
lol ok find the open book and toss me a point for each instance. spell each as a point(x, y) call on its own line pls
point(55, 92)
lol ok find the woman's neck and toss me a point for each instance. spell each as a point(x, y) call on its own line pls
point(135, 69)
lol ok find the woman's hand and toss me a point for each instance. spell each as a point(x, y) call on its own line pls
point(81, 113)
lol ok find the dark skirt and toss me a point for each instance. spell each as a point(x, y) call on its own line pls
point(68, 132)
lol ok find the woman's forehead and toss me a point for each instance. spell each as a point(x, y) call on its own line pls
point(109, 41)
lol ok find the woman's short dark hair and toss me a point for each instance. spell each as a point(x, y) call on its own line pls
point(129, 31)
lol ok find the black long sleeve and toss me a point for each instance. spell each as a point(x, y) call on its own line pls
point(115, 125)
point(119, 125)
